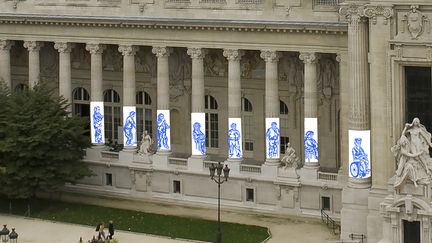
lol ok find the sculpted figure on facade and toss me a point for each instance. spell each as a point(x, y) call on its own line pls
point(291, 70)
point(145, 62)
point(412, 155)
point(416, 22)
point(327, 79)
point(252, 66)
point(215, 64)
point(146, 143)
point(290, 160)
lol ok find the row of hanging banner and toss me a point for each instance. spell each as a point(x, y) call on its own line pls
point(359, 140)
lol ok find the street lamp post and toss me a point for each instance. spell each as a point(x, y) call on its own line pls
point(218, 169)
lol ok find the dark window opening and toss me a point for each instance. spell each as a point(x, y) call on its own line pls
point(108, 179)
point(176, 187)
point(250, 195)
point(283, 142)
point(411, 231)
point(248, 146)
point(325, 203)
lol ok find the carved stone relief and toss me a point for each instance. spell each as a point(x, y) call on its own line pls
point(112, 59)
point(252, 65)
point(328, 76)
point(215, 64)
point(19, 54)
point(415, 22)
point(146, 62)
point(80, 57)
point(49, 65)
point(180, 67)
point(291, 69)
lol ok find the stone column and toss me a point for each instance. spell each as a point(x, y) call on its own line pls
point(163, 113)
point(198, 115)
point(342, 59)
point(5, 65)
point(129, 97)
point(272, 123)
point(235, 138)
point(33, 48)
point(310, 109)
point(96, 96)
point(65, 81)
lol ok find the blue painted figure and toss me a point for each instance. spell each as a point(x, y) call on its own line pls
point(359, 167)
point(273, 140)
point(97, 124)
point(310, 146)
point(162, 128)
point(129, 129)
point(234, 141)
point(199, 138)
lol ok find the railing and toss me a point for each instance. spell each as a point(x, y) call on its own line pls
point(327, 176)
point(177, 161)
point(250, 168)
point(178, 1)
point(249, 1)
point(327, 2)
point(360, 237)
point(333, 225)
point(109, 155)
point(213, 1)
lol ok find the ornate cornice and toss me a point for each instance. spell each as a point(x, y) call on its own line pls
point(233, 54)
point(94, 48)
point(6, 45)
point(270, 55)
point(33, 46)
point(196, 53)
point(63, 47)
point(128, 50)
point(353, 12)
point(161, 51)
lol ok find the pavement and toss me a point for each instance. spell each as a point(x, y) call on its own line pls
point(283, 229)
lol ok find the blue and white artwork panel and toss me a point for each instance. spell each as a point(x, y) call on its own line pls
point(198, 133)
point(272, 138)
point(129, 126)
point(359, 154)
point(97, 123)
point(235, 147)
point(163, 130)
point(311, 140)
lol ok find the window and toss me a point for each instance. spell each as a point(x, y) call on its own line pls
point(283, 116)
point(80, 102)
point(144, 114)
point(21, 87)
point(247, 120)
point(325, 203)
point(283, 108)
point(283, 142)
point(176, 186)
point(112, 110)
point(211, 122)
point(419, 95)
point(108, 179)
point(250, 197)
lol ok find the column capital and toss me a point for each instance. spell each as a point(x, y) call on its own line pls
point(308, 57)
point(196, 53)
point(95, 48)
point(341, 57)
point(161, 51)
point(6, 44)
point(63, 47)
point(128, 50)
point(355, 13)
point(270, 55)
point(233, 54)
point(33, 45)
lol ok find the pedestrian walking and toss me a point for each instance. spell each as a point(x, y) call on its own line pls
point(110, 229)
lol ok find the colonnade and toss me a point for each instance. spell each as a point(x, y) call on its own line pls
point(198, 148)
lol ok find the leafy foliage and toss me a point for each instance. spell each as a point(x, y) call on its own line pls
point(41, 145)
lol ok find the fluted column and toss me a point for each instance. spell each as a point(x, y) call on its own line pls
point(342, 59)
point(5, 65)
point(65, 81)
point(272, 123)
point(33, 48)
point(163, 113)
point(198, 115)
point(129, 97)
point(96, 96)
point(310, 110)
point(235, 138)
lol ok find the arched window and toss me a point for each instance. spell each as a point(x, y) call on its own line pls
point(247, 125)
point(144, 113)
point(80, 102)
point(21, 87)
point(283, 115)
point(211, 122)
point(112, 110)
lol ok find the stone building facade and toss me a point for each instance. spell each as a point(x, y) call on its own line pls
point(311, 86)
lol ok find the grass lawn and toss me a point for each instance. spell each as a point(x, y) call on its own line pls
point(156, 224)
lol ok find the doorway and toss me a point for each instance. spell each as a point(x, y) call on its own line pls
point(411, 232)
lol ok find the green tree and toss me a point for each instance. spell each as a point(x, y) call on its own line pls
point(41, 144)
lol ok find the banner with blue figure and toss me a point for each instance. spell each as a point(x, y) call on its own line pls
point(97, 122)
point(129, 126)
point(311, 140)
point(198, 133)
point(163, 130)
point(272, 138)
point(235, 148)
point(359, 153)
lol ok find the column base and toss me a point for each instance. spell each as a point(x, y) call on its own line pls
point(311, 165)
point(130, 149)
point(163, 152)
point(272, 162)
point(359, 183)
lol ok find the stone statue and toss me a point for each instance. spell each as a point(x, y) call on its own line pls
point(290, 160)
point(146, 143)
point(412, 155)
